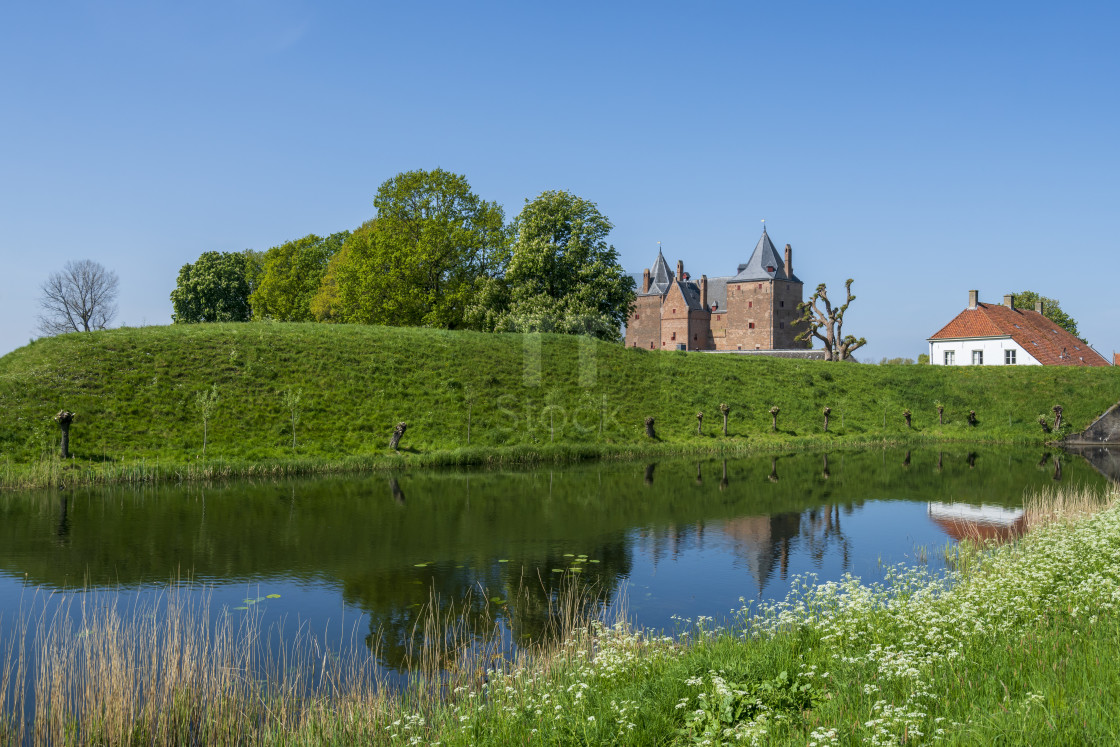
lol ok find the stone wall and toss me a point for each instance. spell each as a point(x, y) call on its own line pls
point(643, 329)
point(1105, 430)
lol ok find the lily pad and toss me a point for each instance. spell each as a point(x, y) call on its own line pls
point(497, 600)
point(575, 570)
point(241, 608)
point(593, 561)
point(569, 555)
point(421, 565)
point(273, 596)
point(504, 560)
point(557, 570)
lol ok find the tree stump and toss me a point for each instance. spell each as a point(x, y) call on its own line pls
point(699, 424)
point(1057, 417)
point(774, 418)
point(724, 408)
point(827, 412)
point(907, 414)
point(398, 433)
point(649, 427)
point(64, 418)
point(972, 417)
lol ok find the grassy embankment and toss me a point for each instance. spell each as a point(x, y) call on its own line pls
point(1015, 646)
point(468, 398)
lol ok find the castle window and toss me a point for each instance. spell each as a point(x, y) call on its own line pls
point(674, 336)
point(769, 268)
point(695, 337)
point(740, 347)
point(760, 286)
point(674, 311)
point(637, 316)
point(717, 317)
point(750, 325)
point(782, 304)
point(781, 325)
point(750, 304)
point(651, 346)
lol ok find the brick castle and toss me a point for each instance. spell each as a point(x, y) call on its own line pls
point(755, 309)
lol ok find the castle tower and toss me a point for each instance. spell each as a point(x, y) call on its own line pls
point(762, 302)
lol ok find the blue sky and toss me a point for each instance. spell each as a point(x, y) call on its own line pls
point(923, 149)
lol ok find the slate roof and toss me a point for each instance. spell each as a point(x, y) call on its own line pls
point(691, 292)
point(660, 277)
point(1047, 342)
point(765, 257)
point(717, 293)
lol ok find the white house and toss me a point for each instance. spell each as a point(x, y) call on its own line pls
point(1001, 335)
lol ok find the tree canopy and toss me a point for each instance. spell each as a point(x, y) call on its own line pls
point(1051, 309)
point(562, 274)
point(432, 247)
point(291, 275)
point(215, 288)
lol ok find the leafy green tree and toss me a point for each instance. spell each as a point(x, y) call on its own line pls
point(1051, 309)
point(291, 275)
point(562, 275)
point(433, 246)
point(215, 288)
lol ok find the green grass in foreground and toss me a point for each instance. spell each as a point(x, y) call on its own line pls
point(1016, 646)
point(468, 398)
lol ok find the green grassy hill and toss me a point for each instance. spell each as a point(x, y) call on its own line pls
point(134, 393)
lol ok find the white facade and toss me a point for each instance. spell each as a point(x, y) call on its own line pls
point(983, 351)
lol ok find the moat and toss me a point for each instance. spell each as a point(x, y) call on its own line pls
point(677, 538)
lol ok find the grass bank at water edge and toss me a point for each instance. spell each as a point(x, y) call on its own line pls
point(306, 398)
point(1014, 646)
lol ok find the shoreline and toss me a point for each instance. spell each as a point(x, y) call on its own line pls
point(76, 473)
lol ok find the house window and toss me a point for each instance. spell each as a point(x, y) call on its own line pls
point(750, 325)
point(978, 357)
point(950, 358)
point(1009, 357)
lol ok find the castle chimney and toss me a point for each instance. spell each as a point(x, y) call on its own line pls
point(645, 280)
point(1009, 301)
point(789, 261)
point(680, 269)
point(973, 299)
point(704, 291)
point(1039, 307)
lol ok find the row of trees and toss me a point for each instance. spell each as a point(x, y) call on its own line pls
point(436, 255)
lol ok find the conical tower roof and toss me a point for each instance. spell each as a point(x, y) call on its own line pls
point(765, 263)
point(660, 276)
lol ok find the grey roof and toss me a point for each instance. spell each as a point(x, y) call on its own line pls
point(660, 276)
point(717, 293)
point(691, 292)
point(765, 264)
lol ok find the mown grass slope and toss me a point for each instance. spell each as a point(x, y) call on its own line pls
point(134, 392)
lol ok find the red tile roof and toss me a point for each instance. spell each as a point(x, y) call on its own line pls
point(1047, 342)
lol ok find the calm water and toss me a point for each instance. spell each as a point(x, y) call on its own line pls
point(677, 537)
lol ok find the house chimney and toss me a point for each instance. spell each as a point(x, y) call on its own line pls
point(680, 269)
point(1009, 301)
point(704, 291)
point(789, 261)
point(973, 299)
point(1039, 307)
point(1116, 359)
point(645, 280)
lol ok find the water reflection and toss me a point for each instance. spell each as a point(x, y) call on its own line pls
point(498, 545)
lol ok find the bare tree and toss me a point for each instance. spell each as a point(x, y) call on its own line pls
point(81, 298)
point(837, 347)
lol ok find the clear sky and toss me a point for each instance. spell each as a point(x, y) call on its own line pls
point(923, 149)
